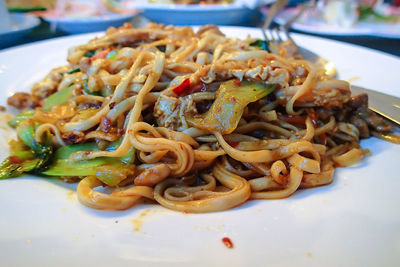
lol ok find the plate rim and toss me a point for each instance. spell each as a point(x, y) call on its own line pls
point(32, 22)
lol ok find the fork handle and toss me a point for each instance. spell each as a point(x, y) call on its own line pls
point(274, 9)
point(303, 8)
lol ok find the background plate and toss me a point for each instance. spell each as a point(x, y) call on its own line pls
point(90, 24)
point(319, 26)
point(228, 14)
point(21, 25)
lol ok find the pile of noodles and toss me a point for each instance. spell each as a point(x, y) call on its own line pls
point(148, 94)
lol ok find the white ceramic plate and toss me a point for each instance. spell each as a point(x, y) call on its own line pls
point(89, 24)
point(316, 25)
point(355, 221)
point(236, 13)
point(21, 25)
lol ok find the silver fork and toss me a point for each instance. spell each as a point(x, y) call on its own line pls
point(280, 33)
point(384, 105)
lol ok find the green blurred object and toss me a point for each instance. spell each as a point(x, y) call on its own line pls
point(29, 5)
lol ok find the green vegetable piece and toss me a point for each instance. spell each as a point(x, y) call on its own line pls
point(110, 171)
point(87, 89)
point(43, 152)
point(261, 43)
point(58, 98)
point(14, 122)
point(90, 53)
point(26, 132)
point(367, 12)
point(231, 99)
point(13, 167)
point(111, 55)
point(74, 70)
point(27, 155)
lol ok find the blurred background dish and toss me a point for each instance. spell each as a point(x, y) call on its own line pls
point(81, 16)
point(29, 5)
point(89, 24)
point(343, 18)
point(20, 26)
point(239, 12)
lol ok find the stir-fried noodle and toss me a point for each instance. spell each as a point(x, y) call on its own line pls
point(196, 121)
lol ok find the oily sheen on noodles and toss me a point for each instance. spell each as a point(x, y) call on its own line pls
point(194, 121)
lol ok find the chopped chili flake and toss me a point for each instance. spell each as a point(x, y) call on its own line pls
point(101, 55)
point(227, 242)
point(182, 88)
point(237, 82)
point(233, 99)
point(15, 160)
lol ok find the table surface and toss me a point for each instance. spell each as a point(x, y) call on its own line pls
point(391, 46)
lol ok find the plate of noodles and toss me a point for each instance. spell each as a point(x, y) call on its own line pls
point(143, 146)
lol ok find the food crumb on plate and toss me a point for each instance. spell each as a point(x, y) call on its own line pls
point(70, 195)
point(137, 223)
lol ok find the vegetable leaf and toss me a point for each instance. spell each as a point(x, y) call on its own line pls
point(261, 43)
point(74, 70)
point(110, 171)
point(231, 99)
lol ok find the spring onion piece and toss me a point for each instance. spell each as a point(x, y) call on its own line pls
point(261, 43)
point(111, 55)
point(87, 89)
point(14, 167)
point(230, 101)
point(14, 122)
point(43, 152)
point(27, 155)
point(58, 98)
point(90, 53)
point(74, 70)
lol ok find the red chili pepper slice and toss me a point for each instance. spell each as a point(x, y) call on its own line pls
point(15, 160)
point(237, 82)
point(182, 88)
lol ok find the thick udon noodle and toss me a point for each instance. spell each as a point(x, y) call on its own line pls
point(278, 146)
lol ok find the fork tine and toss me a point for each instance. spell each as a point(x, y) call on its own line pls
point(274, 9)
point(286, 33)
point(276, 31)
